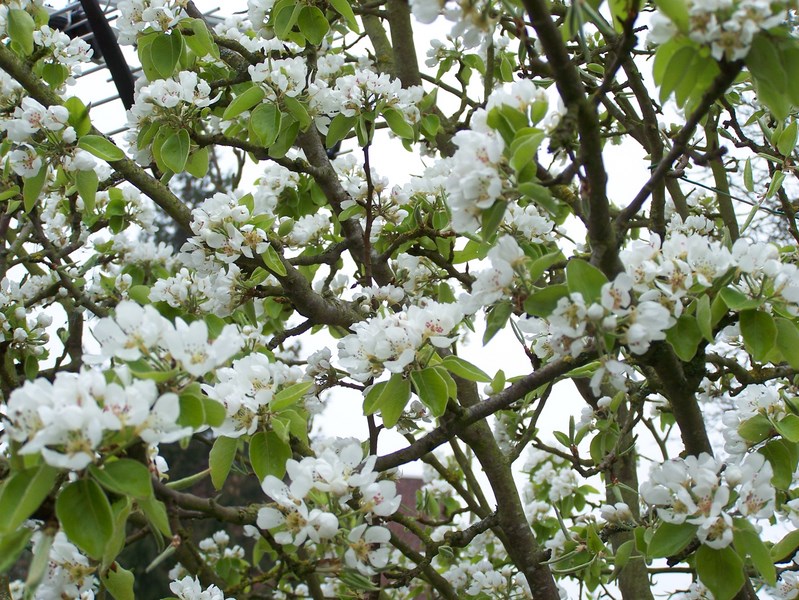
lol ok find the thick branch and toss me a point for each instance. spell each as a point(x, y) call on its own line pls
point(601, 235)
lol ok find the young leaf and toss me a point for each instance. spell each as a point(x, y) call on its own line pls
point(100, 147)
point(272, 261)
point(496, 320)
point(432, 389)
point(720, 570)
point(198, 162)
point(175, 150)
point(119, 582)
point(20, 26)
point(125, 477)
point(759, 332)
point(32, 187)
point(584, 278)
point(268, 454)
point(345, 10)
point(397, 123)
point(165, 53)
point(220, 459)
point(465, 369)
point(85, 516)
point(670, 538)
point(87, 182)
point(265, 123)
point(22, 493)
point(11, 546)
point(388, 397)
point(313, 25)
point(244, 101)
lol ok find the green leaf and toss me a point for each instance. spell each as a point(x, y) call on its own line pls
point(339, 128)
point(244, 101)
point(87, 182)
point(125, 476)
point(496, 319)
point(268, 455)
point(78, 115)
point(684, 337)
point(398, 124)
point(165, 53)
point(678, 67)
point(40, 563)
point(677, 11)
point(175, 150)
point(85, 516)
point(788, 341)
point(704, 317)
point(345, 10)
point(748, 543)
point(272, 261)
point(201, 42)
point(432, 389)
point(464, 369)
point(121, 511)
point(20, 26)
point(584, 278)
point(787, 140)
point(100, 147)
point(215, 412)
point(32, 187)
point(389, 398)
point(491, 218)
point(119, 582)
point(220, 459)
point(765, 63)
point(749, 181)
point(298, 111)
point(756, 429)
point(198, 162)
point(285, 18)
point(22, 493)
point(759, 332)
point(11, 546)
point(788, 427)
point(783, 456)
point(313, 25)
point(720, 570)
point(155, 511)
point(736, 300)
point(524, 148)
point(543, 302)
point(290, 395)
point(669, 539)
point(265, 123)
point(784, 550)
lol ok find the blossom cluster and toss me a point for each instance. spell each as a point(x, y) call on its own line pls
point(365, 91)
point(726, 26)
point(472, 19)
point(392, 342)
point(476, 176)
point(137, 16)
point(701, 491)
point(340, 472)
point(70, 419)
point(246, 389)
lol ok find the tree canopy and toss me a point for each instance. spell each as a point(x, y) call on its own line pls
point(671, 309)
